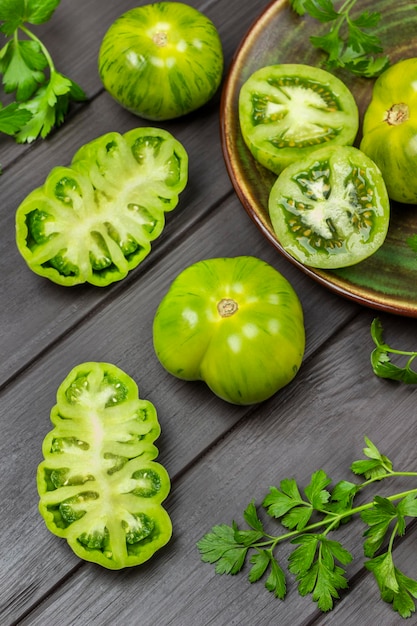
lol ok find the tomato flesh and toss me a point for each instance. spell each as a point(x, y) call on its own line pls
point(286, 111)
point(330, 210)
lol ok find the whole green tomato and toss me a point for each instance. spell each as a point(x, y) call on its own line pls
point(235, 323)
point(390, 129)
point(161, 60)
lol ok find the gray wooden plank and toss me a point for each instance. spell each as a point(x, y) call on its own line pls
point(339, 400)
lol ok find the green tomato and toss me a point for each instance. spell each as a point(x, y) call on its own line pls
point(95, 220)
point(235, 323)
point(287, 111)
point(390, 129)
point(161, 60)
point(99, 486)
point(331, 209)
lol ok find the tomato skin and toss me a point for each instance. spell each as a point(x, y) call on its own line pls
point(161, 60)
point(244, 354)
point(286, 111)
point(331, 209)
point(390, 129)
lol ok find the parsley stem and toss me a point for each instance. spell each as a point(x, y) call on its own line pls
point(335, 519)
point(389, 474)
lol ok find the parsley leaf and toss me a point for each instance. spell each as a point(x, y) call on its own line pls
point(348, 42)
point(395, 587)
point(14, 13)
point(12, 117)
point(381, 361)
point(376, 467)
point(29, 72)
point(220, 547)
point(21, 63)
point(314, 564)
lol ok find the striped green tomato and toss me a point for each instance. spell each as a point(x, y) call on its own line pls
point(235, 323)
point(161, 60)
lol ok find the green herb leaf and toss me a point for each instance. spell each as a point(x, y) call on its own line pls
point(381, 361)
point(378, 466)
point(252, 519)
point(48, 107)
point(316, 492)
point(13, 118)
point(260, 562)
point(22, 64)
point(378, 519)
point(395, 587)
point(221, 548)
point(28, 71)
point(298, 6)
point(276, 582)
point(322, 10)
point(280, 501)
point(14, 13)
point(313, 562)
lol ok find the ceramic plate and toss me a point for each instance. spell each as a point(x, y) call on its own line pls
point(388, 279)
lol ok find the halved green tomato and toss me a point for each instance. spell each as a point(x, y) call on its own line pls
point(331, 209)
point(287, 111)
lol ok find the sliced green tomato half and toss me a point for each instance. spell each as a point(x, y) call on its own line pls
point(94, 221)
point(331, 209)
point(287, 111)
point(98, 484)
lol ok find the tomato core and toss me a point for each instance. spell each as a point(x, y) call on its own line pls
point(160, 39)
point(397, 114)
point(227, 307)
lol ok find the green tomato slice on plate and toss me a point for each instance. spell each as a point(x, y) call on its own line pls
point(161, 60)
point(235, 323)
point(94, 221)
point(99, 486)
point(287, 111)
point(331, 209)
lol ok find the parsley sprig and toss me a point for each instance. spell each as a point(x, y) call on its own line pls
point(382, 364)
point(349, 42)
point(308, 518)
point(41, 94)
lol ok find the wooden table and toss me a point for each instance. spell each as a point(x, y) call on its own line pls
point(219, 456)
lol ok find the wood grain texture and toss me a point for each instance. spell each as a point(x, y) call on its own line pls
point(219, 456)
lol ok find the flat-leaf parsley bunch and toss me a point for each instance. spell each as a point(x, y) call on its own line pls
point(309, 517)
point(349, 42)
point(41, 93)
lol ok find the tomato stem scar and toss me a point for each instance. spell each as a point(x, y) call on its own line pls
point(160, 39)
point(397, 114)
point(227, 307)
